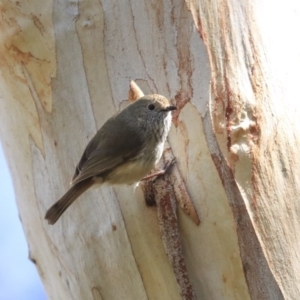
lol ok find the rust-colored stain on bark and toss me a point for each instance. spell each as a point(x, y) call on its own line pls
point(181, 99)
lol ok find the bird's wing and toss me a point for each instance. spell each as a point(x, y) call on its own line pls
point(109, 149)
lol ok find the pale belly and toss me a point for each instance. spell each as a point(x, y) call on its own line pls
point(130, 172)
point(134, 170)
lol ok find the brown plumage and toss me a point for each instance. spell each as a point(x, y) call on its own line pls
point(123, 151)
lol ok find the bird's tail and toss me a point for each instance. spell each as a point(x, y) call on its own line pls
point(57, 209)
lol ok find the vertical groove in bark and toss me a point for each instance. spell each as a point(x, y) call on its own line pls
point(260, 280)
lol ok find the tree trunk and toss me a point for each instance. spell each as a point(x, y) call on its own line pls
point(232, 69)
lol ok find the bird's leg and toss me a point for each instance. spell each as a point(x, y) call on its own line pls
point(167, 168)
point(147, 185)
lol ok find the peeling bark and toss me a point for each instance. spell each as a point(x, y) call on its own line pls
point(167, 215)
point(161, 191)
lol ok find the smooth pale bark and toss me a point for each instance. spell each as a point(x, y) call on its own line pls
point(65, 69)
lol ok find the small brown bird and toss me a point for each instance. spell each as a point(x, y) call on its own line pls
point(123, 151)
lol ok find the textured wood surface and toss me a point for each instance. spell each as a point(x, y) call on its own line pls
point(65, 69)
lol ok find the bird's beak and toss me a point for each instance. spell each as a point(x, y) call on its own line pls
point(169, 108)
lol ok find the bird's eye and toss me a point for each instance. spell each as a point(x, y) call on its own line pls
point(151, 106)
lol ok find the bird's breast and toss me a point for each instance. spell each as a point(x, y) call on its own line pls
point(130, 172)
point(133, 170)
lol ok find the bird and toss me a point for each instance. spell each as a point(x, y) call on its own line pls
point(123, 151)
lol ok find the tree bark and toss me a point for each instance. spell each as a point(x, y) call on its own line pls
point(232, 69)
